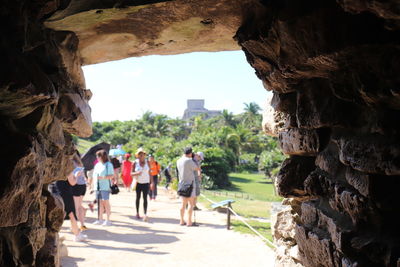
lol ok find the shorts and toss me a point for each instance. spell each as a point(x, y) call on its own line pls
point(79, 190)
point(104, 195)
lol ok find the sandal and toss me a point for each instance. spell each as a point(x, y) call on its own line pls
point(193, 225)
point(182, 224)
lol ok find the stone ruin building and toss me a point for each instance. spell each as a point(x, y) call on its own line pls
point(196, 107)
point(333, 67)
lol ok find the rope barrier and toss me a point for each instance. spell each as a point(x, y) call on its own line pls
point(243, 220)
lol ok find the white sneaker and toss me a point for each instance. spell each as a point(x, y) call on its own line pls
point(98, 222)
point(106, 223)
point(80, 237)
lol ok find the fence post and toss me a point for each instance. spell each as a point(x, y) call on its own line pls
point(228, 225)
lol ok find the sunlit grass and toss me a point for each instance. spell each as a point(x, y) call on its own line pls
point(244, 207)
point(84, 145)
point(253, 194)
point(263, 228)
point(249, 185)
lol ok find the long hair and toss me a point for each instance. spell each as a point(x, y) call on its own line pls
point(102, 154)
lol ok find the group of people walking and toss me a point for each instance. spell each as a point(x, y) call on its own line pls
point(140, 175)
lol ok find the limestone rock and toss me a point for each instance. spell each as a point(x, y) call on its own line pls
point(328, 159)
point(268, 122)
point(283, 231)
point(76, 114)
point(332, 66)
point(23, 188)
point(315, 250)
point(379, 155)
point(108, 32)
point(292, 175)
point(296, 141)
point(318, 108)
point(385, 9)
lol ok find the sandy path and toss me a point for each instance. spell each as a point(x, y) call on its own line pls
point(162, 241)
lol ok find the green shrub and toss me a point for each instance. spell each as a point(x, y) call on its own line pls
point(216, 165)
point(207, 182)
point(247, 163)
point(270, 161)
point(174, 184)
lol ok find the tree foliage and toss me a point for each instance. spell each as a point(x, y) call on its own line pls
point(229, 142)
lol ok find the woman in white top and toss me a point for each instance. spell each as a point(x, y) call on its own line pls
point(141, 170)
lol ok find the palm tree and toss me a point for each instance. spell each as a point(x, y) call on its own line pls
point(239, 139)
point(228, 118)
point(251, 108)
point(251, 115)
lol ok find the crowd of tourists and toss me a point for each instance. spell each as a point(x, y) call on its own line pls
point(140, 175)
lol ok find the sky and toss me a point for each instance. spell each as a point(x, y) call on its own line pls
point(125, 89)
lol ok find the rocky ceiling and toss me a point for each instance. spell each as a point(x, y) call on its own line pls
point(114, 31)
point(333, 67)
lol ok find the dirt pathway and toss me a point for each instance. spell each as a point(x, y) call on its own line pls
point(162, 241)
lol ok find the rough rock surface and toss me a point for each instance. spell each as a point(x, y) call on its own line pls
point(42, 101)
point(283, 225)
point(119, 29)
point(332, 67)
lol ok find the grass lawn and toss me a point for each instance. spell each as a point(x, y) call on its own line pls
point(84, 145)
point(263, 228)
point(244, 207)
point(253, 184)
point(253, 195)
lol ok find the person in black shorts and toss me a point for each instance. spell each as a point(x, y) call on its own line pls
point(78, 191)
point(64, 190)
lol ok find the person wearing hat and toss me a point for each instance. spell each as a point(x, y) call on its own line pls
point(126, 171)
point(141, 170)
point(186, 168)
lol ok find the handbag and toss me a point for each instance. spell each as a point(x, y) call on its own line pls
point(134, 184)
point(185, 189)
point(114, 189)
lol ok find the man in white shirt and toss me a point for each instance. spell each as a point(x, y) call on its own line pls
point(186, 168)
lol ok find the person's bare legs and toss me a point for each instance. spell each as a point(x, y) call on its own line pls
point(185, 201)
point(101, 209)
point(108, 208)
point(80, 211)
point(74, 224)
point(190, 210)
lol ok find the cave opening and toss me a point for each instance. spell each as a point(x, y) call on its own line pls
point(333, 67)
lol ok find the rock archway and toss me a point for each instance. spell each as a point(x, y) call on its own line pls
point(333, 67)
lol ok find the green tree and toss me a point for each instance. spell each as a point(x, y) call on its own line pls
point(228, 118)
point(251, 116)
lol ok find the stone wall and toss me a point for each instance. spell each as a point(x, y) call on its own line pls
point(333, 67)
point(42, 101)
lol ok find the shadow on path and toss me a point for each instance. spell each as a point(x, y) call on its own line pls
point(71, 261)
point(151, 237)
point(145, 250)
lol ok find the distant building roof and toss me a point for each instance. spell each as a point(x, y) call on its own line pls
point(196, 107)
